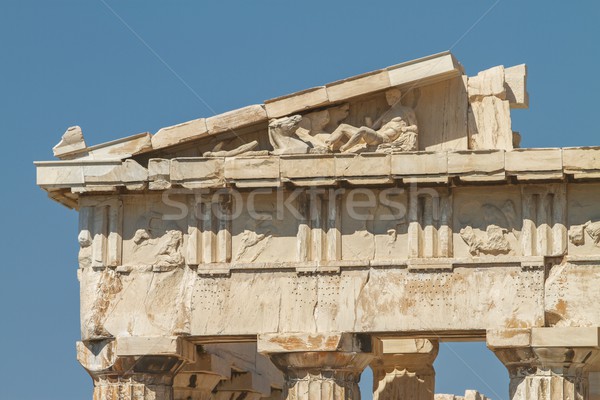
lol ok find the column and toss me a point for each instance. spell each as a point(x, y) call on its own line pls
point(319, 366)
point(546, 363)
point(134, 368)
point(403, 369)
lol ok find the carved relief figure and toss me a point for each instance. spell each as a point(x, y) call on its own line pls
point(394, 100)
point(168, 247)
point(593, 229)
point(316, 127)
point(256, 237)
point(498, 223)
point(494, 242)
point(283, 138)
point(85, 249)
point(158, 242)
point(395, 129)
point(577, 233)
point(243, 149)
point(389, 132)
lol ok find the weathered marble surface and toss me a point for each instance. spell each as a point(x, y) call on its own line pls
point(276, 250)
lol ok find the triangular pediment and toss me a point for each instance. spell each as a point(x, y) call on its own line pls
point(432, 92)
point(363, 129)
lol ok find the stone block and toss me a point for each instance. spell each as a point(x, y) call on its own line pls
point(487, 83)
point(159, 345)
point(390, 345)
point(419, 163)
point(475, 162)
point(361, 165)
point(566, 337)
point(580, 159)
point(132, 171)
point(424, 71)
point(299, 101)
point(300, 342)
point(59, 173)
point(533, 160)
point(159, 173)
point(307, 167)
point(357, 85)
point(197, 172)
point(121, 148)
point(515, 81)
point(489, 124)
point(180, 133)
point(504, 338)
point(232, 120)
point(260, 168)
point(118, 173)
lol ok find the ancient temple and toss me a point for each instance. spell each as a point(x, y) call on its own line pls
point(277, 250)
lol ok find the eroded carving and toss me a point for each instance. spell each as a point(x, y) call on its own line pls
point(316, 127)
point(322, 131)
point(255, 239)
point(283, 138)
point(243, 149)
point(493, 243)
point(169, 254)
point(85, 248)
point(395, 130)
point(108, 286)
point(577, 234)
point(158, 243)
point(498, 223)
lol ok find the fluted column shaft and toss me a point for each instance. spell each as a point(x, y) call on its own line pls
point(323, 375)
point(132, 387)
point(403, 369)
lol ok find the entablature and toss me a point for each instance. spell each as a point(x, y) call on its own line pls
point(65, 180)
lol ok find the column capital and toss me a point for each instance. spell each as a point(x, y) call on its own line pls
point(411, 354)
point(319, 366)
point(546, 362)
point(140, 367)
point(403, 368)
point(565, 348)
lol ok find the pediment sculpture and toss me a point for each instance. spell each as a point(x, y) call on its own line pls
point(324, 131)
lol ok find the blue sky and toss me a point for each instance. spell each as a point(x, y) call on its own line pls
point(148, 64)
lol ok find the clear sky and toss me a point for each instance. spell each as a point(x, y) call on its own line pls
point(118, 68)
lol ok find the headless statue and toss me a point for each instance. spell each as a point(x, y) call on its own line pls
point(397, 121)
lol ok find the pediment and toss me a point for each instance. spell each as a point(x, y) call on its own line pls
point(423, 119)
point(447, 110)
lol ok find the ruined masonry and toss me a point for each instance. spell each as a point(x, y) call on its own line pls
point(277, 250)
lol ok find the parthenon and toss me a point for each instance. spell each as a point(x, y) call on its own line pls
point(277, 250)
